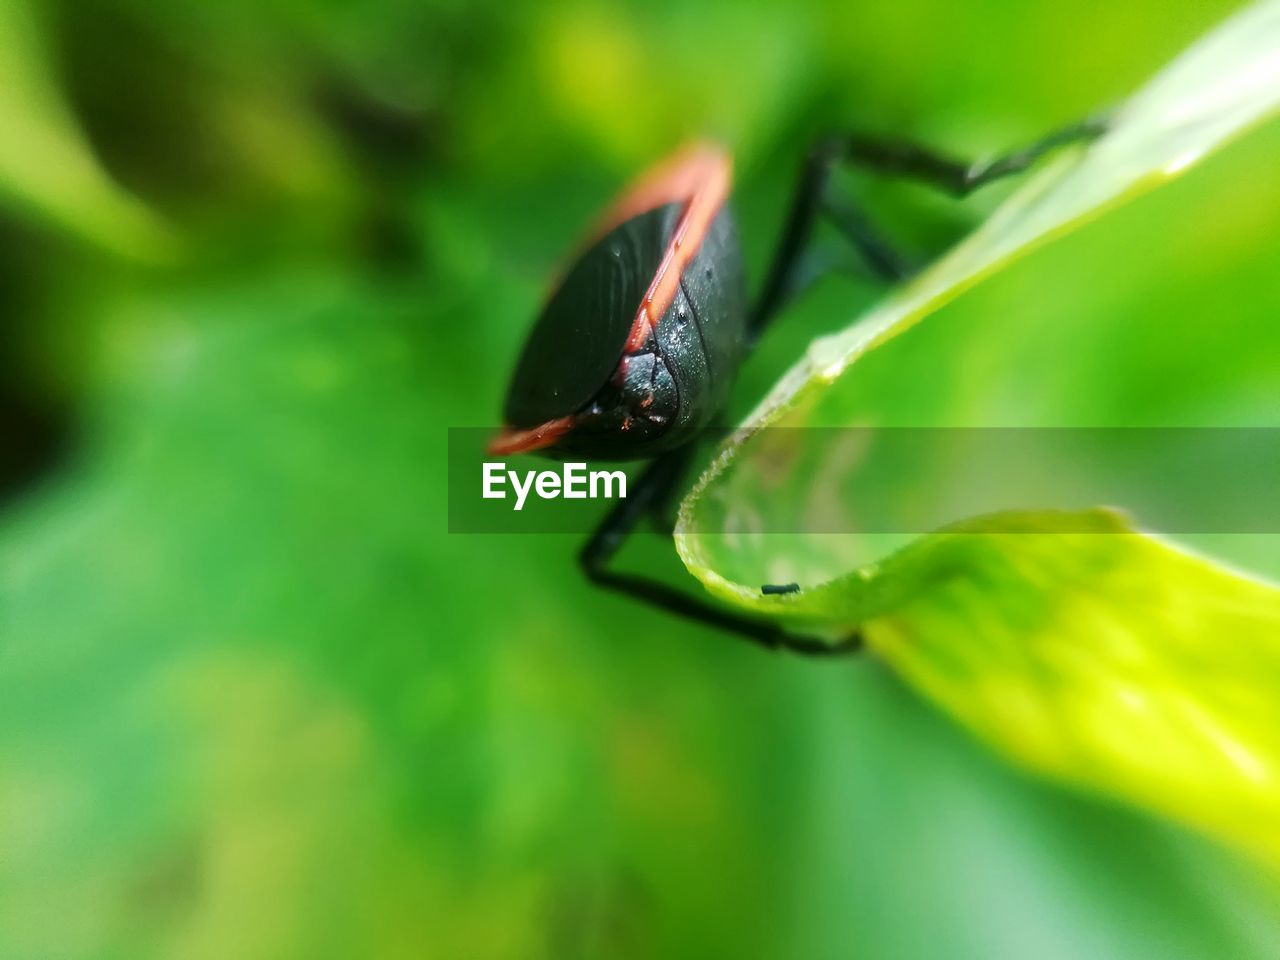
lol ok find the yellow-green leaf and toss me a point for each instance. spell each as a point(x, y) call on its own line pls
point(1099, 656)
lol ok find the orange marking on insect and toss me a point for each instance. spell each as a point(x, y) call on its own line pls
point(512, 440)
point(675, 179)
point(707, 169)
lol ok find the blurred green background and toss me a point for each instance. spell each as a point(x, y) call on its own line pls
point(255, 702)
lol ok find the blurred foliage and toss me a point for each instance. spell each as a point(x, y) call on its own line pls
point(255, 702)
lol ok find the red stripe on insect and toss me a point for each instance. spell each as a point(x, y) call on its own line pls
point(706, 169)
point(511, 440)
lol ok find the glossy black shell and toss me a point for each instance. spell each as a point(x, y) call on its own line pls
point(639, 402)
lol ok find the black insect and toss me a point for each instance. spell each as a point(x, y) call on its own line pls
point(635, 352)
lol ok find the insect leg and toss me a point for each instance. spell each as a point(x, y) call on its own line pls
point(811, 199)
point(650, 488)
point(877, 252)
point(782, 281)
point(905, 159)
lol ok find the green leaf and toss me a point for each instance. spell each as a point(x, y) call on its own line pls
point(1100, 656)
point(1114, 661)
